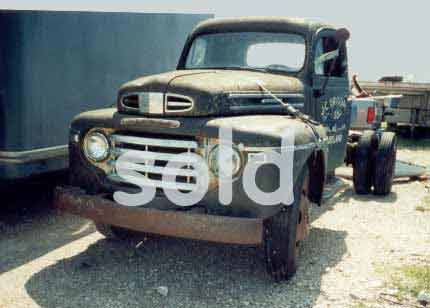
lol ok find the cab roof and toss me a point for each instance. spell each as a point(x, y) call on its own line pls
point(251, 24)
point(257, 24)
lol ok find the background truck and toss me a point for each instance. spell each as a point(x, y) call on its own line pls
point(371, 150)
point(260, 77)
point(54, 65)
point(411, 110)
point(368, 112)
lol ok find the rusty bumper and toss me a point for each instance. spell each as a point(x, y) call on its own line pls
point(222, 229)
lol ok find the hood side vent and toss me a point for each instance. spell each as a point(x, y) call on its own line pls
point(131, 101)
point(250, 101)
point(178, 103)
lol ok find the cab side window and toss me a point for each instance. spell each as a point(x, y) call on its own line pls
point(327, 44)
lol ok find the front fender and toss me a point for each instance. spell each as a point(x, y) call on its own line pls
point(259, 134)
point(262, 133)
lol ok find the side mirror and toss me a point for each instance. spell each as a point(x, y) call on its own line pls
point(342, 35)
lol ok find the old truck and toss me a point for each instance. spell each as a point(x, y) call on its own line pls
point(260, 77)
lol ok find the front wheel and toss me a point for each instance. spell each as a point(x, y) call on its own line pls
point(284, 232)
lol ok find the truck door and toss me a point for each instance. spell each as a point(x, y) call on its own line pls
point(331, 107)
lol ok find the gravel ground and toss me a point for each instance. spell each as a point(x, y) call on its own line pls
point(48, 259)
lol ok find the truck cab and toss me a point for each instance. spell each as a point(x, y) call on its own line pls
point(265, 79)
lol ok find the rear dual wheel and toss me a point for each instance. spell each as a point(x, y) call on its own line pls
point(385, 162)
point(363, 163)
point(374, 163)
point(284, 232)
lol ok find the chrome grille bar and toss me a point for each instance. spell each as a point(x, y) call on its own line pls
point(155, 142)
point(148, 155)
point(158, 170)
point(153, 183)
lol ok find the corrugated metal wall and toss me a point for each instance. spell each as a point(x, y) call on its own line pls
point(54, 65)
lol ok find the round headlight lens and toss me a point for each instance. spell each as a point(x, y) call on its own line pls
point(96, 146)
point(225, 161)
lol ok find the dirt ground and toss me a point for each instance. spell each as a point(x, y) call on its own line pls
point(50, 259)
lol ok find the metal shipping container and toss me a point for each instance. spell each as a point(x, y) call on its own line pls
point(54, 65)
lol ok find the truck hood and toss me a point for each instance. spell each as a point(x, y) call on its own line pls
point(209, 92)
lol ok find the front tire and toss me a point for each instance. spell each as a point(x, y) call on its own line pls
point(284, 232)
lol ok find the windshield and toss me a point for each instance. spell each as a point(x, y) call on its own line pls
point(248, 50)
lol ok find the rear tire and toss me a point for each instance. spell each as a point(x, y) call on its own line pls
point(284, 232)
point(364, 161)
point(385, 163)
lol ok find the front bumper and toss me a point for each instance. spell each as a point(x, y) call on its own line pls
point(222, 229)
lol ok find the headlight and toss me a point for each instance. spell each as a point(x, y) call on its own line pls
point(224, 161)
point(96, 146)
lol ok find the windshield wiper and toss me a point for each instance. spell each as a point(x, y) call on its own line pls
point(238, 67)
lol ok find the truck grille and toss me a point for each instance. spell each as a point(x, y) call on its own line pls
point(131, 101)
point(160, 152)
point(178, 103)
point(144, 102)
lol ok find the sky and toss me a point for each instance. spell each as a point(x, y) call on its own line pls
point(387, 37)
